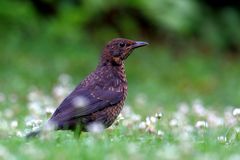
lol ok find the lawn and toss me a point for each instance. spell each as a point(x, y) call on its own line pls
point(178, 107)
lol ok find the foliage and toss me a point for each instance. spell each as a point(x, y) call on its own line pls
point(75, 20)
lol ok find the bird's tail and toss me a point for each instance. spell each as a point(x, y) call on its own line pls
point(47, 127)
point(33, 134)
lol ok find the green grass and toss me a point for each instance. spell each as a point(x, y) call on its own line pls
point(162, 78)
point(115, 145)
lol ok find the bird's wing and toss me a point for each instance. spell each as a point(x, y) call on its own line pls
point(94, 101)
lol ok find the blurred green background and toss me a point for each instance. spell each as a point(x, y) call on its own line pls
point(194, 51)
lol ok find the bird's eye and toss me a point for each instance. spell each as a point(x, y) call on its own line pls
point(121, 44)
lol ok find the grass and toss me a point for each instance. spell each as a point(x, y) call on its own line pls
point(158, 82)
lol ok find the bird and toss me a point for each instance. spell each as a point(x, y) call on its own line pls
point(100, 97)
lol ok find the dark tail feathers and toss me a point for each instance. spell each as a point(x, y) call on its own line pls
point(33, 134)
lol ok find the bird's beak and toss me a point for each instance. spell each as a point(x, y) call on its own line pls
point(139, 44)
point(134, 45)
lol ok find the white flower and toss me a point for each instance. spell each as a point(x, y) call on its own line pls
point(229, 118)
point(173, 123)
point(188, 128)
point(59, 91)
point(120, 117)
point(151, 129)
point(222, 139)
point(153, 119)
point(201, 124)
point(33, 122)
point(35, 107)
point(236, 112)
point(198, 108)
point(14, 124)
point(95, 127)
point(135, 117)
point(50, 126)
point(148, 122)
point(49, 110)
point(126, 110)
point(237, 130)
point(142, 125)
point(80, 102)
point(33, 95)
point(214, 120)
point(160, 133)
point(158, 115)
point(19, 134)
point(183, 108)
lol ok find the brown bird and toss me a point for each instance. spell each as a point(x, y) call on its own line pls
point(100, 97)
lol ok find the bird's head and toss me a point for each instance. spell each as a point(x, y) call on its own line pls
point(117, 50)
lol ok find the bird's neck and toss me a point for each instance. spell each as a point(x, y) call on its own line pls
point(117, 70)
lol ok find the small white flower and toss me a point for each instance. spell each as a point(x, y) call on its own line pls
point(153, 119)
point(160, 133)
point(33, 95)
point(80, 102)
point(173, 123)
point(33, 123)
point(19, 134)
point(236, 112)
point(183, 108)
point(135, 117)
point(50, 126)
point(229, 118)
point(222, 139)
point(49, 110)
point(201, 124)
point(59, 91)
point(237, 130)
point(95, 127)
point(142, 125)
point(188, 128)
point(214, 120)
point(126, 110)
point(120, 117)
point(184, 136)
point(159, 115)
point(14, 124)
point(148, 121)
point(151, 129)
point(198, 108)
point(35, 107)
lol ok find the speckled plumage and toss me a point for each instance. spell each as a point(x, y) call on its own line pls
point(105, 90)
